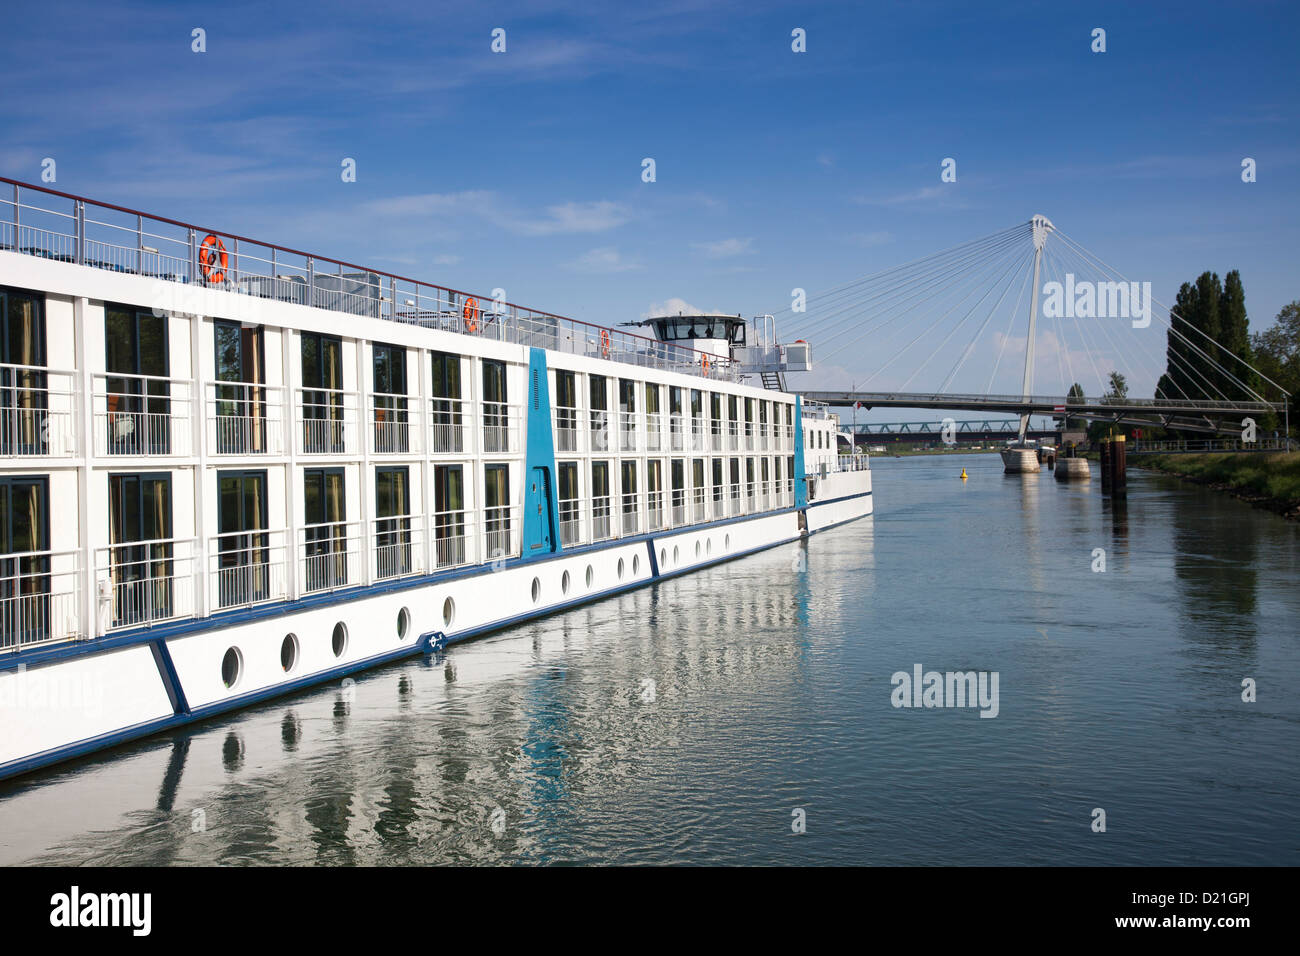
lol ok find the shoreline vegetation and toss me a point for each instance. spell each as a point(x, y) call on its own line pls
point(1269, 480)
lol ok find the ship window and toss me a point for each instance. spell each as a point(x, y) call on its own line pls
point(598, 385)
point(135, 346)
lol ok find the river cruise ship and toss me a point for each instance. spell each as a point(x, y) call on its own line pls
point(230, 470)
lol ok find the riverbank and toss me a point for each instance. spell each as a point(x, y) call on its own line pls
point(1269, 481)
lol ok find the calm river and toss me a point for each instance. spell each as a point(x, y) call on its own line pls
point(705, 720)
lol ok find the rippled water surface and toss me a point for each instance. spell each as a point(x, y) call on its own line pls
point(688, 722)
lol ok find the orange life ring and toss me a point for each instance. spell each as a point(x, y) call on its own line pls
point(604, 343)
point(471, 312)
point(212, 251)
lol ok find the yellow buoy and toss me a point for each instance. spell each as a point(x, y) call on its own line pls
point(963, 474)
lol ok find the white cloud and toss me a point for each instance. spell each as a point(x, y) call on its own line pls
point(570, 217)
point(671, 307)
point(445, 260)
point(605, 260)
point(725, 248)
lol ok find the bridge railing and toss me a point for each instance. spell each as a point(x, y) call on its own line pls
point(1139, 446)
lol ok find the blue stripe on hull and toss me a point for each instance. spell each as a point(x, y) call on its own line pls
point(183, 717)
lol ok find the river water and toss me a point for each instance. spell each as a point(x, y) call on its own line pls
point(707, 719)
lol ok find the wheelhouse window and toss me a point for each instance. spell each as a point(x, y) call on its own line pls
point(391, 422)
point(322, 397)
point(137, 393)
point(240, 393)
point(24, 395)
point(446, 410)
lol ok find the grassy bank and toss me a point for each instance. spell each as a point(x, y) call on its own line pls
point(1269, 481)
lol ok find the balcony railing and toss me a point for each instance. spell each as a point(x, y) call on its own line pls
point(600, 437)
point(699, 435)
point(568, 437)
point(247, 568)
point(326, 420)
point(698, 504)
point(719, 504)
point(37, 412)
point(50, 224)
point(245, 418)
point(397, 543)
point(141, 415)
point(601, 527)
point(654, 510)
point(39, 598)
point(452, 539)
point(716, 436)
point(628, 424)
point(653, 431)
point(501, 423)
point(631, 514)
point(570, 522)
point(678, 507)
point(395, 425)
point(447, 425)
point(145, 582)
point(733, 436)
point(737, 501)
point(329, 556)
point(500, 533)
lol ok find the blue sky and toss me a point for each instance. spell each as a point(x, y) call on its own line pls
point(774, 169)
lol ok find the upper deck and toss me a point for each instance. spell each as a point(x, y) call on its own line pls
point(60, 226)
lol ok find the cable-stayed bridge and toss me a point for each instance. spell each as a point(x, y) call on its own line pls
point(992, 318)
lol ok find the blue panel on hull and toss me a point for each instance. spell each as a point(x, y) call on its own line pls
point(800, 481)
point(541, 535)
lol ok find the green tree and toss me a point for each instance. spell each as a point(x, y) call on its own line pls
point(1075, 395)
point(1277, 354)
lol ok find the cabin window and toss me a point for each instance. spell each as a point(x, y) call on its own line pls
point(600, 503)
point(570, 509)
point(445, 410)
point(566, 414)
point(631, 508)
point(25, 583)
point(390, 411)
point(598, 387)
point(138, 395)
point(496, 511)
point(448, 515)
point(322, 396)
point(239, 364)
point(392, 522)
point(496, 436)
point(140, 523)
point(325, 531)
point(23, 386)
point(243, 544)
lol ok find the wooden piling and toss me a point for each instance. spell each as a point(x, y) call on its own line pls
point(1105, 467)
point(1119, 467)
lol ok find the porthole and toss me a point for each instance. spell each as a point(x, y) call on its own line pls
point(232, 667)
point(708, 546)
point(677, 555)
point(448, 612)
point(537, 590)
point(403, 623)
point(663, 558)
point(636, 565)
point(591, 575)
point(726, 544)
point(620, 569)
point(697, 549)
point(564, 582)
point(289, 652)
point(339, 640)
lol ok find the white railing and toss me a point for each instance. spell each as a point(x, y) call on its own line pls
point(751, 497)
point(329, 556)
point(570, 522)
point(678, 507)
point(39, 598)
point(37, 412)
point(676, 434)
point(716, 436)
point(501, 426)
point(568, 437)
point(38, 222)
point(452, 539)
point(144, 582)
point(699, 435)
point(601, 527)
point(654, 510)
point(447, 418)
point(397, 543)
point(141, 415)
point(733, 436)
point(326, 421)
point(628, 423)
point(737, 501)
point(600, 437)
point(631, 514)
point(245, 418)
point(747, 434)
point(698, 504)
point(247, 568)
point(500, 533)
point(653, 431)
point(395, 425)
point(719, 503)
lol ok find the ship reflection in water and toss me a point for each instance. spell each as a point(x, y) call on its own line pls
point(685, 722)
